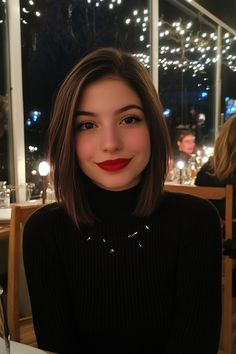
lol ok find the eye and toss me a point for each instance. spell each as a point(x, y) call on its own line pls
point(85, 126)
point(131, 120)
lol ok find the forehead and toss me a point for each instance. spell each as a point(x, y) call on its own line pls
point(108, 91)
point(188, 139)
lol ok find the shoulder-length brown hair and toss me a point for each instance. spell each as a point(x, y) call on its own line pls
point(67, 175)
point(224, 158)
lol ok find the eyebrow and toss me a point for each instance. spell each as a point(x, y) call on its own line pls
point(120, 110)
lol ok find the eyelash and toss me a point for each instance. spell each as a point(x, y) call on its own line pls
point(131, 120)
point(81, 126)
point(134, 119)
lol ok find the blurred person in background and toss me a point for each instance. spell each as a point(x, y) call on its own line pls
point(185, 146)
point(219, 171)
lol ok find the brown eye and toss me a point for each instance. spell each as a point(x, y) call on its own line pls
point(85, 126)
point(131, 120)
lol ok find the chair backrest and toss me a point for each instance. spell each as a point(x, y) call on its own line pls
point(218, 193)
point(19, 216)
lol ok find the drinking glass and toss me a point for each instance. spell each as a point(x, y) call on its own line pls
point(4, 195)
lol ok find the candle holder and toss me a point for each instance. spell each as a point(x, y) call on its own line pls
point(180, 164)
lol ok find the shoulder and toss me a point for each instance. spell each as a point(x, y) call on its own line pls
point(195, 220)
point(189, 207)
point(45, 216)
point(205, 176)
point(48, 210)
point(206, 168)
point(47, 228)
point(182, 200)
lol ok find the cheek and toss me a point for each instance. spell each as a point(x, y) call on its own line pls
point(84, 149)
point(140, 141)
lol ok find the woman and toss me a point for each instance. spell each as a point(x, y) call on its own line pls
point(117, 266)
point(220, 169)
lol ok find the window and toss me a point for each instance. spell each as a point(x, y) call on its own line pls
point(228, 101)
point(186, 71)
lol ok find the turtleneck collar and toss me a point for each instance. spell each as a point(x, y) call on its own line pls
point(108, 204)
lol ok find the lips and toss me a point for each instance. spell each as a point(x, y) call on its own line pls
point(113, 165)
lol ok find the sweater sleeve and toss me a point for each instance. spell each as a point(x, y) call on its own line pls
point(52, 315)
point(197, 315)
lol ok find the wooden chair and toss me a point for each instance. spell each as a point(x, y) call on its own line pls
point(4, 332)
point(20, 327)
point(215, 193)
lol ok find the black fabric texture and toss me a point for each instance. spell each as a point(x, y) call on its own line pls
point(126, 285)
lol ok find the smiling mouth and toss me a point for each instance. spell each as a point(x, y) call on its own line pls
point(114, 165)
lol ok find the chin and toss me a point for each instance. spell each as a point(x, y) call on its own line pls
point(116, 187)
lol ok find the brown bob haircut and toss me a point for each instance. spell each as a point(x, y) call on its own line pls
point(69, 180)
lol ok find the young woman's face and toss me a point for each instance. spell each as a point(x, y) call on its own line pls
point(112, 142)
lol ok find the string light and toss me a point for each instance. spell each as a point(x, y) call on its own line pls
point(188, 43)
point(179, 44)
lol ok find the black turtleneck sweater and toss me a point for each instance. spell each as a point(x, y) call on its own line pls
point(126, 285)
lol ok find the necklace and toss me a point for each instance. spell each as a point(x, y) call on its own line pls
point(131, 237)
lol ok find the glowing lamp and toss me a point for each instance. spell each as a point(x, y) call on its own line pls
point(44, 169)
point(180, 164)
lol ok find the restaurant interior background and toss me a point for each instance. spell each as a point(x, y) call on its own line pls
point(188, 46)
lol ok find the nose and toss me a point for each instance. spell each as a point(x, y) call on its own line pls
point(111, 139)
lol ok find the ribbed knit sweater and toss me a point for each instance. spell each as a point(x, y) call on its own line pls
point(126, 285)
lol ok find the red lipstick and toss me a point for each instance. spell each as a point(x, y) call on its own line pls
point(113, 165)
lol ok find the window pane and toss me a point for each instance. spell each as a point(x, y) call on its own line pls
point(187, 71)
point(228, 102)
